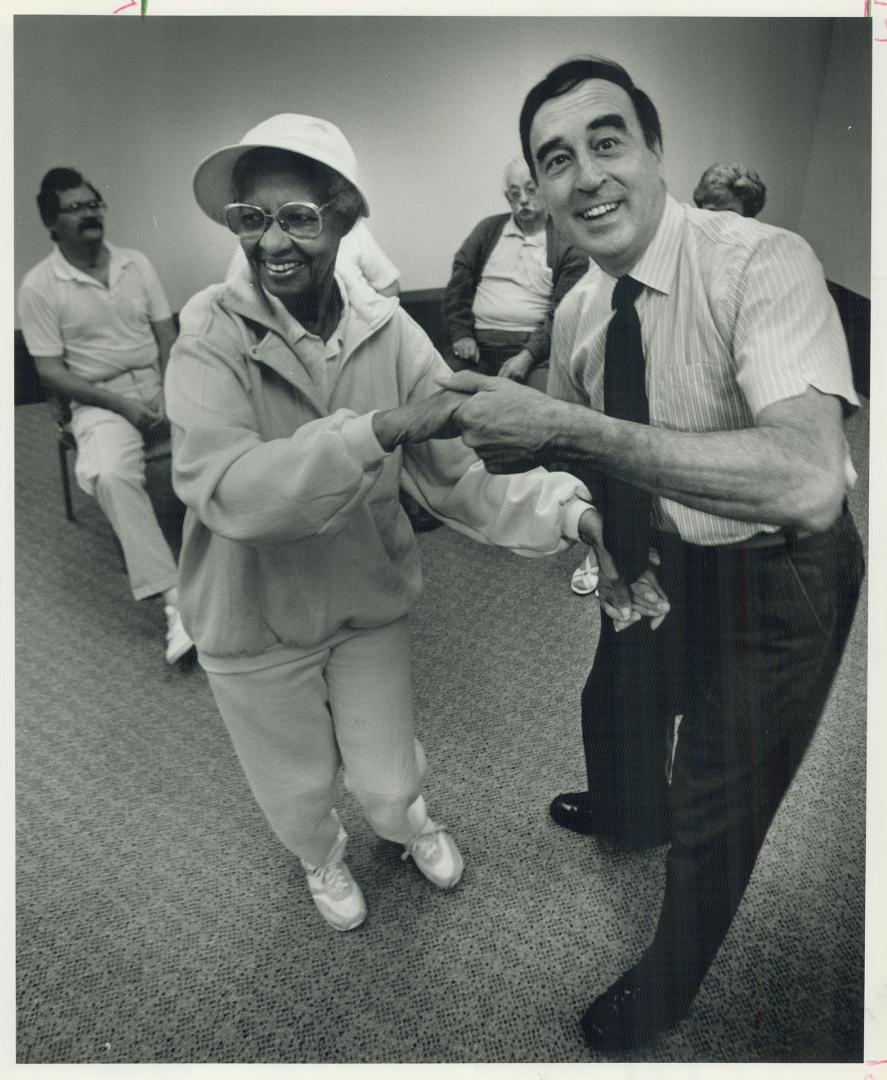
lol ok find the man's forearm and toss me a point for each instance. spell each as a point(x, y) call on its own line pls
point(768, 474)
point(539, 343)
point(75, 388)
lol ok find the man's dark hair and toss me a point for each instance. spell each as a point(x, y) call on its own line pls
point(329, 185)
point(567, 76)
point(56, 180)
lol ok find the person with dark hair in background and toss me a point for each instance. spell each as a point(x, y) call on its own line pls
point(731, 187)
point(508, 277)
point(99, 327)
point(703, 374)
point(301, 402)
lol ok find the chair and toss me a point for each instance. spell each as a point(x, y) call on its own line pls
point(65, 444)
point(30, 390)
point(158, 483)
point(856, 318)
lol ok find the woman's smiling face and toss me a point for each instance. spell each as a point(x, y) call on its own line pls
point(288, 267)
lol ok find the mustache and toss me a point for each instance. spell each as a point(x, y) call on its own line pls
point(90, 223)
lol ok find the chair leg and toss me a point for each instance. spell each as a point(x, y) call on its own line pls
point(66, 481)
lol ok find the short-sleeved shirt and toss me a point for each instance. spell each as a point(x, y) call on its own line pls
point(103, 333)
point(735, 316)
point(514, 291)
point(359, 247)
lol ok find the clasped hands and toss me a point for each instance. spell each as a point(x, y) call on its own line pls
point(142, 416)
point(507, 425)
point(512, 428)
point(625, 604)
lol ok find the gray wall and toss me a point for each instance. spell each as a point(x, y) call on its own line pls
point(430, 105)
point(836, 209)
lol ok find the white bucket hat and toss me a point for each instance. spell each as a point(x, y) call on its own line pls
point(306, 135)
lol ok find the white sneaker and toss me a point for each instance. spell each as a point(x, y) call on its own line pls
point(585, 577)
point(336, 894)
point(177, 641)
point(434, 851)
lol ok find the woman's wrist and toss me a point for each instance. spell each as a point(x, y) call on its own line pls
point(386, 429)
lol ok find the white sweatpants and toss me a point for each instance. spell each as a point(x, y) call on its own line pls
point(293, 725)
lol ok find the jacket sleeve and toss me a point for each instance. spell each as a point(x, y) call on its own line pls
point(460, 290)
point(530, 513)
point(568, 264)
point(245, 488)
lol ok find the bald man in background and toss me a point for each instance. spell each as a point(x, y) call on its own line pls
point(508, 277)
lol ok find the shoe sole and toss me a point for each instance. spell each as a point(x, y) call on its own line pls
point(581, 591)
point(358, 919)
point(579, 824)
point(344, 929)
point(444, 887)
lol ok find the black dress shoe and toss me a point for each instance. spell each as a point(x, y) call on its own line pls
point(630, 1014)
point(638, 830)
point(578, 811)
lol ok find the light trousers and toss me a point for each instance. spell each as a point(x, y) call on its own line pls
point(111, 466)
point(348, 704)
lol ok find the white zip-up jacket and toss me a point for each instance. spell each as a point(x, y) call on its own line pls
point(294, 528)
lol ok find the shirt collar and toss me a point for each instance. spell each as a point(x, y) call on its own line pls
point(513, 229)
point(656, 268)
point(295, 329)
point(68, 272)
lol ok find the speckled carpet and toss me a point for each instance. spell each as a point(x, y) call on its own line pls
point(159, 920)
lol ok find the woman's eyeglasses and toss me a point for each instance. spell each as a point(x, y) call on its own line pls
point(302, 220)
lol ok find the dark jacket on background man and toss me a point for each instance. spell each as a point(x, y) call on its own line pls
point(567, 263)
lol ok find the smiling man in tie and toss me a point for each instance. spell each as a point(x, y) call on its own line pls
point(702, 375)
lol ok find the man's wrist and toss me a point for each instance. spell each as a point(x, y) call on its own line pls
point(588, 527)
point(114, 402)
point(575, 431)
point(572, 519)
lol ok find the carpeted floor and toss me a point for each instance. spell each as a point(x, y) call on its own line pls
point(158, 919)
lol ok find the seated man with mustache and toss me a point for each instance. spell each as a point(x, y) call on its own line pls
point(99, 327)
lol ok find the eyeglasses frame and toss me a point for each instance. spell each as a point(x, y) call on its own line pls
point(86, 204)
point(319, 210)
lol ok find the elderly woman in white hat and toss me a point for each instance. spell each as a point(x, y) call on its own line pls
point(300, 403)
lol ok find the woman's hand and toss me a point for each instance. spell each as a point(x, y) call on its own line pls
point(427, 418)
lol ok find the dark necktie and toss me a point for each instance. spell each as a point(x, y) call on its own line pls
point(626, 508)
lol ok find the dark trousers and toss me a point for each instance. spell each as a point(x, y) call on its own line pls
point(497, 346)
point(747, 655)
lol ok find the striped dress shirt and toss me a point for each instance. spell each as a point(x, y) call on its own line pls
point(735, 316)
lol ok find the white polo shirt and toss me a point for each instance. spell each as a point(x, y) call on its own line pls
point(103, 333)
point(514, 291)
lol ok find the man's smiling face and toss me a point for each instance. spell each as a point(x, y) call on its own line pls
point(600, 181)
